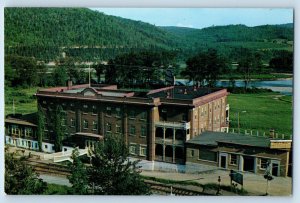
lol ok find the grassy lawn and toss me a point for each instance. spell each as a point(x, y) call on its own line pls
point(24, 99)
point(261, 112)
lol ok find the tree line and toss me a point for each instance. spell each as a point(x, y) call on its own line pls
point(143, 69)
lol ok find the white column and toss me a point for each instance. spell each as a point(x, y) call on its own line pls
point(241, 163)
point(255, 164)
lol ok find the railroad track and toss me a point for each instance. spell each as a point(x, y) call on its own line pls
point(156, 187)
point(164, 189)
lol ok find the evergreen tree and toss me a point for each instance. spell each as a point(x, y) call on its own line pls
point(40, 126)
point(112, 173)
point(20, 179)
point(59, 129)
point(78, 178)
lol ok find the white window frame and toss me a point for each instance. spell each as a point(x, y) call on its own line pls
point(132, 145)
point(145, 148)
point(85, 122)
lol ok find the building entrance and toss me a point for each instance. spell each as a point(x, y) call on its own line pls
point(275, 169)
point(249, 163)
point(223, 161)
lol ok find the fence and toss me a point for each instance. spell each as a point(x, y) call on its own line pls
point(260, 133)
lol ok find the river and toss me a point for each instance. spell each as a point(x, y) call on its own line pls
point(284, 86)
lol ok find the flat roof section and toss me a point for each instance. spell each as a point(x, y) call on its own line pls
point(182, 92)
point(212, 139)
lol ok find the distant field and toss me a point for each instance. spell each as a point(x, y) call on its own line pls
point(261, 112)
point(24, 100)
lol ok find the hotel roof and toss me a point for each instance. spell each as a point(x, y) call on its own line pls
point(181, 95)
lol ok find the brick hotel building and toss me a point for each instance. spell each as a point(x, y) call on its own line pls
point(155, 124)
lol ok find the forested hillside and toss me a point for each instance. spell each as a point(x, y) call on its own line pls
point(86, 35)
point(83, 33)
point(269, 39)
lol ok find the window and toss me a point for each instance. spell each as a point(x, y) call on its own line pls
point(118, 129)
point(263, 163)
point(94, 110)
point(132, 114)
point(132, 149)
point(132, 130)
point(14, 129)
point(143, 150)
point(233, 159)
point(53, 148)
point(205, 154)
point(108, 127)
point(85, 124)
point(143, 131)
point(95, 125)
point(192, 153)
point(108, 111)
point(46, 146)
point(36, 145)
point(72, 122)
point(118, 112)
point(28, 132)
point(144, 115)
point(85, 106)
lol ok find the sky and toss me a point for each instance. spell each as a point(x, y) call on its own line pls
point(203, 17)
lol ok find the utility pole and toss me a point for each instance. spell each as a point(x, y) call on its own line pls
point(219, 187)
point(89, 75)
point(13, 106)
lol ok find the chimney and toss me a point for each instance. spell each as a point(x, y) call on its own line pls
point(69, 84)
point(272, 133)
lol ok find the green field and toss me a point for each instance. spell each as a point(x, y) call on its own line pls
point(261, 112)
point(24, 100)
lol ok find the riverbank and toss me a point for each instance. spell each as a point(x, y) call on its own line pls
point(270, 76)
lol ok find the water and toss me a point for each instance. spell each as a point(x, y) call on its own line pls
point(284, 86)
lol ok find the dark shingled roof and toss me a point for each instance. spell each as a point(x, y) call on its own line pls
point(212, 139)
point(26, 119)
